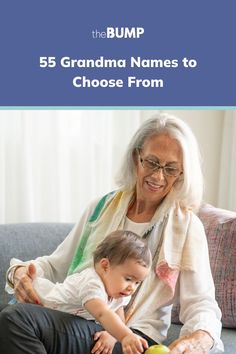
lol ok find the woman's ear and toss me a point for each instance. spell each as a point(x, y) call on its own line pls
point(104, 264)
point(180, 179)
point(135, 156)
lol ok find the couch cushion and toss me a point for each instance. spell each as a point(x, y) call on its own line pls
point(28, 241)
point(220, 227)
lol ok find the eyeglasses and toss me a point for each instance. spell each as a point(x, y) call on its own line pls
point(155, 166)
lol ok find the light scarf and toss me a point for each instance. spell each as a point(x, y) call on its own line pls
point(177, 251)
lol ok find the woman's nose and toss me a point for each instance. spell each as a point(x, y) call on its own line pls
point(159, 172)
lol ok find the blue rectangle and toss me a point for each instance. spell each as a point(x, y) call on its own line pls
point(183, 53)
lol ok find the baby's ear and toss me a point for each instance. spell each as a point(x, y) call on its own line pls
point(104, 263)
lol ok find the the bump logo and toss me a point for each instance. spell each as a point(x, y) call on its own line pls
point(119, 33)
point(125, 32)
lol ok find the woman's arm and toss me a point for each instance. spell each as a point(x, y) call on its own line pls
point(199, 342)
point(53, 267)
point(24, 291)
point(199, 310)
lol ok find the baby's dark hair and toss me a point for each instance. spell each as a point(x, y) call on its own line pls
point(121, 245)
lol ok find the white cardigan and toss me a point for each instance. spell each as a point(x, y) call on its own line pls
point(195, 290)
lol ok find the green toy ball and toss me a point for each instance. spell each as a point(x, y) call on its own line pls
point(157, 349)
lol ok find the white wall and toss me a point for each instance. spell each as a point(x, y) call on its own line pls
point(55, 163)
point(207, 126)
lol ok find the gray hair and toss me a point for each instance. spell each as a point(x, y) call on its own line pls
point(188, 189)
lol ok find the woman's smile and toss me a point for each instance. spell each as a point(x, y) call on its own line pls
point(154, 186)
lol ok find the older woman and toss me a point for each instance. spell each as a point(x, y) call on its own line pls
point(160, 189)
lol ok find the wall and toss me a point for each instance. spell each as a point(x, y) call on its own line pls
point(207, 126)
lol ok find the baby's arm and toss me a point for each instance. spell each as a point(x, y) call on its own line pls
point(104, 340)
point(121, 314)
point(131, 343)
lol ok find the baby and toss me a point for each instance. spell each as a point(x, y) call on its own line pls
point(121, 262)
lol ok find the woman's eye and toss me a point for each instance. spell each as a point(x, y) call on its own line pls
point(171, 170)
point(151, 164)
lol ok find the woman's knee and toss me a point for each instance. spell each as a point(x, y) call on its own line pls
point(2, 307)
point(7, 314)
point(8, 319)
point(3, 317)
point(16, 315)
point(18, 333)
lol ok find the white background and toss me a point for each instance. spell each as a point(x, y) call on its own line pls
point(52, 163)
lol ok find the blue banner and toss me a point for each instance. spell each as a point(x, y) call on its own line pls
point(124, 53)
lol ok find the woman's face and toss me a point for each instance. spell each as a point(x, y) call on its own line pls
point(153, 185)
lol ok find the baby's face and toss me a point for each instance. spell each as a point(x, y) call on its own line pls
point(123, 279)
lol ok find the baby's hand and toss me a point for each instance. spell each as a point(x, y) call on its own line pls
point(133, 344)
point(104, 343)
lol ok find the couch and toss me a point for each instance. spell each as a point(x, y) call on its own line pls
point(27, 241)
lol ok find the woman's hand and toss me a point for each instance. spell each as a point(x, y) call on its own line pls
point(23, 287)
point(199, 342)
point(133, 344)
point(104, 343)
